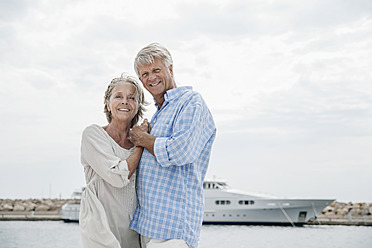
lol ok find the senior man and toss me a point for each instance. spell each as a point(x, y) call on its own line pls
point(176, 156)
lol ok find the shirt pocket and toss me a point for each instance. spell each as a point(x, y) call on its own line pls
point(161, 130)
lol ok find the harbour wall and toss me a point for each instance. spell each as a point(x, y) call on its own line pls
point(338, 213)
point(341, 213)
point(32, 209)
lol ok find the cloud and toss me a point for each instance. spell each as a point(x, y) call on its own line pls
point(227, 19)
point(14, 10)
point(288, 82)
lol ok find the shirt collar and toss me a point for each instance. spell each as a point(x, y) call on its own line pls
point(174, 93)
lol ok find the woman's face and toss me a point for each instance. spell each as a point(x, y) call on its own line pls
point(123, 104)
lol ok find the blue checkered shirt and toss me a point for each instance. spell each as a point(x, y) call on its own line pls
point(170, 185)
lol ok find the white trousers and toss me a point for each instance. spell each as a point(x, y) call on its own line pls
point(162, 243)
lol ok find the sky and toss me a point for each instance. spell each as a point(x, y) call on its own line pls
point(289, 84)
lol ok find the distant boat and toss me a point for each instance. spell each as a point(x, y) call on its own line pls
point(70, 211)
point(224, 205)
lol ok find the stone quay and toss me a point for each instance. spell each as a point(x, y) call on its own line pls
point(340, 213)
point(337, 213)
point(32, 209)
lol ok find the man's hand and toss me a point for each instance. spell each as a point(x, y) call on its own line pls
point(145, 126)
point(140, 136)
point(137, 134)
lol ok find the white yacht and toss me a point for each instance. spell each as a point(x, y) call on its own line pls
point(224, 205)
point(70, 211)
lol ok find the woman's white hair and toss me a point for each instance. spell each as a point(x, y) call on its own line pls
point(140, 98)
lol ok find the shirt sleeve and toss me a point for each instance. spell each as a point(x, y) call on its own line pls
point(96, 152)
point(192, 129)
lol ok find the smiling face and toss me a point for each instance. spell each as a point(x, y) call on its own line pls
point(123, 103)
point(157, 78)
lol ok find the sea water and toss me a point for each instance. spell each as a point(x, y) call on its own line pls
point(57, 234)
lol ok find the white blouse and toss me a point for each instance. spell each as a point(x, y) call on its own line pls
point(109, 199)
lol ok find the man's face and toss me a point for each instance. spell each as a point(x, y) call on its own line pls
point(157, 78)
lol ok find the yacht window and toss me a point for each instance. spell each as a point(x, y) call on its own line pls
point(246, 202)
point(302, 215)
point(215, 185)
point(222, 185)
point(223, 202)
point(208, 186)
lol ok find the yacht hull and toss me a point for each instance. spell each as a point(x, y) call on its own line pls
point(265, 212)
point(224, 205)
point(70, 212)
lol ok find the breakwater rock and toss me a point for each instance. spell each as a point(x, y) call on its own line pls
point(340, 213)
point(344, 210)
point(37, 205)
point(337, 213)
point(335, 210)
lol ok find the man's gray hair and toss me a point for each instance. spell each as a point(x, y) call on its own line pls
point(147, 54)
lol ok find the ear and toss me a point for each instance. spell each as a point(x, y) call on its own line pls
point(108, 106)
point(171, 69)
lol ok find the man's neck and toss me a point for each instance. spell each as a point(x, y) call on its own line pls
point(160, 101)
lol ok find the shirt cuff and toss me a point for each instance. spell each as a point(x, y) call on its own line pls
point(160, 151)
point(123, 165)
point(121, 169)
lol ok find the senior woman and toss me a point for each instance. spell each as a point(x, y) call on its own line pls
point(110, 161)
